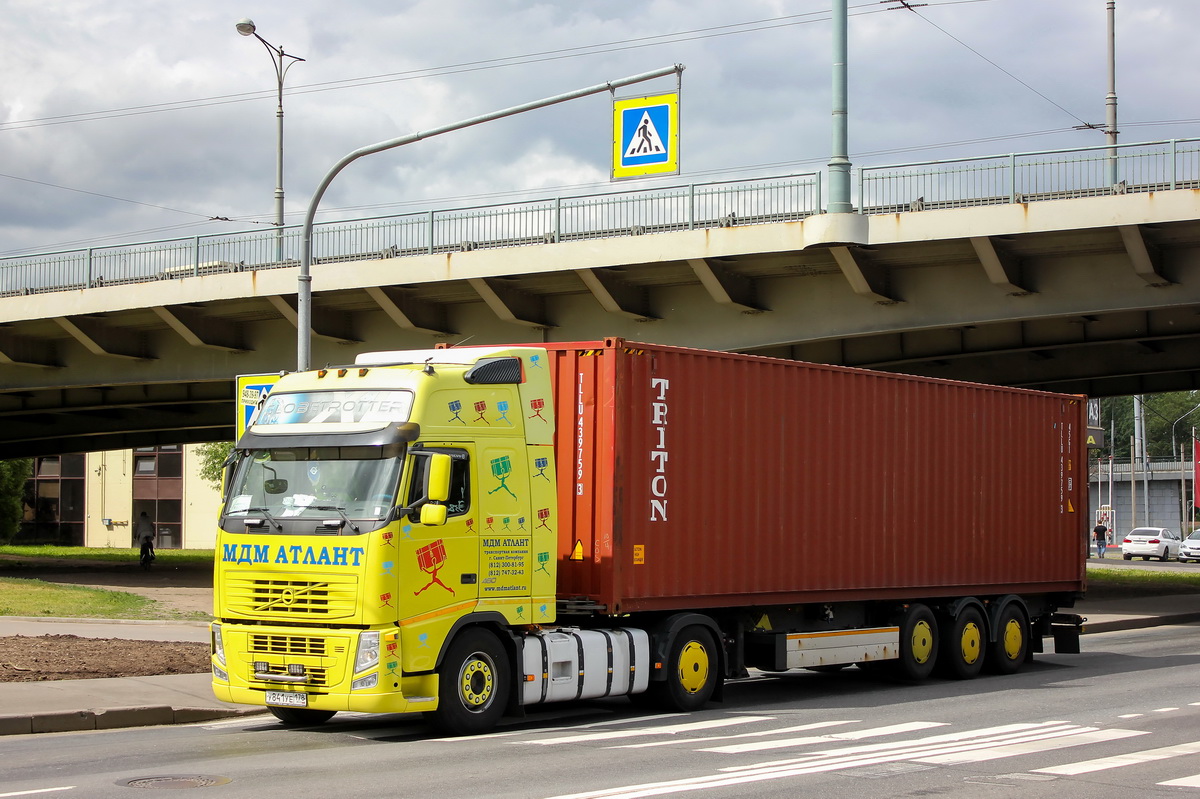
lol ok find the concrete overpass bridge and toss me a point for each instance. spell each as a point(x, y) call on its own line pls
point(1027, 270)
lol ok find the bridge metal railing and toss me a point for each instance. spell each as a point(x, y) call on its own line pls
point(544, 221)
point(1030, 177)
point(953, 183)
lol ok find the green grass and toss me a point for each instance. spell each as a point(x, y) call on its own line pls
point(1108, 583)
point(100, 556)
point(24, 597)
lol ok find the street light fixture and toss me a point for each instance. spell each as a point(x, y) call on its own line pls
point(246, 28)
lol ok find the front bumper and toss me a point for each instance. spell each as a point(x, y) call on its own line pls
point(261, 659)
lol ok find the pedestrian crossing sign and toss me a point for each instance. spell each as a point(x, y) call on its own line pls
point(646, 136)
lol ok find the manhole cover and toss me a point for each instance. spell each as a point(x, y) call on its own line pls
point(190, 781)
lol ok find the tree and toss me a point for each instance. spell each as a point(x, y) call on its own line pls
point(212, 461)
point(13, 476)
point(1162, 411)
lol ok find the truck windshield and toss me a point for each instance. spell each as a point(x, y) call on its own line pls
point(307, 484)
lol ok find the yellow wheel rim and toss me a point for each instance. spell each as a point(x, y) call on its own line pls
point(922, 642)
point(477, 683)
point(1013, 639)
point(971, 643)
point(693, 667)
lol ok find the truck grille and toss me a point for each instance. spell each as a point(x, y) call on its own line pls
point(263, 595)
point(293, 645)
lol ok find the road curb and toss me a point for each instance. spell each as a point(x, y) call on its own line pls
point(116, 718)
point(1139, 622)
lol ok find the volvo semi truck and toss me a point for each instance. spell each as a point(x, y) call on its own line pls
point(467, 531)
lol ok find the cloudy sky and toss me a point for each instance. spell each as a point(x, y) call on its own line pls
point(131, 120)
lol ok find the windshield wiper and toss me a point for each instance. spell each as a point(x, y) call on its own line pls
point(267, 514)
point(340, 511)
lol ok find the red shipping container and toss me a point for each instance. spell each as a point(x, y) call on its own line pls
point(697, 479)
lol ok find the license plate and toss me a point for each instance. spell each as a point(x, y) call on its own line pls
point(287, 698)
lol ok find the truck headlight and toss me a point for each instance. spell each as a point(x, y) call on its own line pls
point(368, 651)
point(218, 646)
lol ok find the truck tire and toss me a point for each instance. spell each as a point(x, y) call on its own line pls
point(693, 669)
point(963, 648)
point(301, 717)
point(918, 643)
point(473, 684)
point(1007, 653)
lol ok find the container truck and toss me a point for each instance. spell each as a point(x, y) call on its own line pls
point(467, 531)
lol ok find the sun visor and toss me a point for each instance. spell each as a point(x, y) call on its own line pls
point(281, 437)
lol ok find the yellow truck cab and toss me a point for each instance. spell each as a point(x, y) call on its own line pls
point(371, 512)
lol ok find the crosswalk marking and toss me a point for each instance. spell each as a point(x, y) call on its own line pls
point(667, 729)
point(786, 743)
point(1128, 759)
point(1048, 743)
point(757, 734)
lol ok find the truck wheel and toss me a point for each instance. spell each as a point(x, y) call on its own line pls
point(1007, 653)
point(918, 643)
point(692, 671)
point(301, 717)
point(962, 649)
point(473, 685)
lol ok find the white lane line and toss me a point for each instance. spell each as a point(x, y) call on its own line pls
point(1184, 782)
point(758, 734)
point(38, 790)
point(669, 729)
point(1062, 741)
point(1131, 716)
point(1165, 709)
point(1128, 759)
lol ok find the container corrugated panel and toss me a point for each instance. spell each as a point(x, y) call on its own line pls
point(695, 479)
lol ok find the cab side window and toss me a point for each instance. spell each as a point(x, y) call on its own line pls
point(460, 483)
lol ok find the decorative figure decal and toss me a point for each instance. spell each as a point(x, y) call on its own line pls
point(520, 522)
point(489, 521)
point(520, 611)
point(388, 535)
point(543, 515)
point(502, 470)
point(387, 568)
point(431, 558)
point(386, 600)
point(507, 525)
point(502, 406)
point(455, 408)
point(470, 525)
point(541, 464)
point(481, 409)
point(537, 406)
point(407, 530)
point(423, 641)
point(543, 559)
point(391, 667)
point(536, 361)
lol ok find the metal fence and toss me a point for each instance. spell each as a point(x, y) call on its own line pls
point(1030, 177)
point(955, 183)
point(545, 221)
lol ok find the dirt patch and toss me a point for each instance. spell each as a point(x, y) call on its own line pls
point(70, 657)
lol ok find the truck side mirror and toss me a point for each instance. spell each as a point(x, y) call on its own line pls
point(433, 515)
point(439, 479)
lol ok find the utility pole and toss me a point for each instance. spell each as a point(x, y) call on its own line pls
point(1110, 100)
point(839, 162)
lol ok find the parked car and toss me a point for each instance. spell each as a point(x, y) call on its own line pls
point(1190, 548)
point(1150, 542)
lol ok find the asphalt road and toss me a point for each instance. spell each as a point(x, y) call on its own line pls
point(1122, 717)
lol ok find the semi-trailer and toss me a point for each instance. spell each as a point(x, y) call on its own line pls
point(466, 531)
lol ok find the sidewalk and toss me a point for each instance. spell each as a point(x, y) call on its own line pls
point(66, 705)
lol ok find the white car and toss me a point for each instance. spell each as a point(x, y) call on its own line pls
point(1151, 542)
point(1190, 549)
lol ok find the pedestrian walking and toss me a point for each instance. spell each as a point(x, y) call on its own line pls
point(1100, 533)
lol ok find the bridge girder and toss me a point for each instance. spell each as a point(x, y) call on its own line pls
point(1099, 296)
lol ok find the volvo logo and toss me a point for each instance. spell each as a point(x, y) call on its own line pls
point(288, 596)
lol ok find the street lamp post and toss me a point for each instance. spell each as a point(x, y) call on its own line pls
point(246, 28)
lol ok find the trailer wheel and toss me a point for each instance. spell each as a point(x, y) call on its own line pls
point(1007, 652)
point(918, 643)
point(692, 671)
point(301, 717)
point(473, 685)
point(963, 639)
